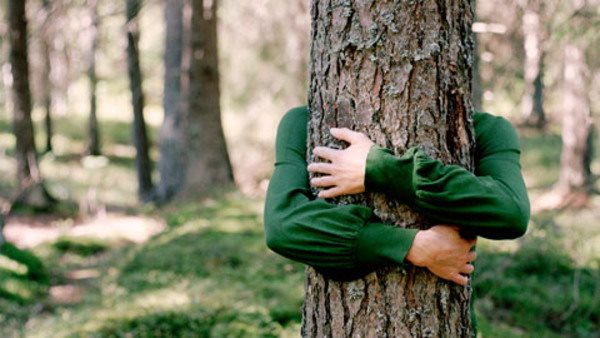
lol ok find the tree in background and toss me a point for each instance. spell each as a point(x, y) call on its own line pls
point(399, 72)
point(575, 180)
point(140, 136)
point(28, 173)
point(93, 147)
point(25, 152)
point(207, 159)
point(172, 148)
point(45, 42)
point(534, 36)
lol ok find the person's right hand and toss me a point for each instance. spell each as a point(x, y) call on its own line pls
point(444, 252)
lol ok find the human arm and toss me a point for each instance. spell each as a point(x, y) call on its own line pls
point(491, 203)
point(344, 241)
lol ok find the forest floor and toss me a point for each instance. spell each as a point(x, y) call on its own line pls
point(105, 266)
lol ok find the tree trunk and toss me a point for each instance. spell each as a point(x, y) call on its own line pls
point(576, 157)
point(476, 84)
point(140, 136)
point(532, 103)
point(401, 73)
point(46, 37)
point(25, 151)
point(94, 138)
point(28, 174)
point(208, 163)
point(172, 148)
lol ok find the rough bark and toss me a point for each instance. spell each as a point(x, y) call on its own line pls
point(401, 73)
point(576, 156)
point(477, 83)
point(25, 151)
point(532, 103)
point(172, 148)
point(46, 37)
point(143, 164)
point(208, 163)
point(93, 133)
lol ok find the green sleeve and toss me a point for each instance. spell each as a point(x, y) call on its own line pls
point(491, 203)
point(341, 239)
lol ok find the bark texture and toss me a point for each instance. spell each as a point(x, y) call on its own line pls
point(93, 133)
point(172, 146)
point(143, 164)
point(532, 103)
point(25, 151)
point(576, 156)
point(476, 82)
point(399, 71)
point(208, 163)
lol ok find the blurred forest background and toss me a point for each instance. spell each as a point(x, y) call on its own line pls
point(136, 145)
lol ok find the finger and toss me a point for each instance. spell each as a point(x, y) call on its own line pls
point(346, 134)
point(320, 167)
point(330, 193)
point(467, 269)
point(471, 256)
point(326, 153)
point(460, 279)
point(324, 181)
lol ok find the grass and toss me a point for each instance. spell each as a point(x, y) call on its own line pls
point(209, 273)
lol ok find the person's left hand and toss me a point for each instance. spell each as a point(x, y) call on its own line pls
point(345, 174)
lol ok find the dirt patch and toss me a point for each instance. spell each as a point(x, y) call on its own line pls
point(27, 231)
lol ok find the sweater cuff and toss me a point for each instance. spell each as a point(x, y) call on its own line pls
point(390, 174)
point(379, 244)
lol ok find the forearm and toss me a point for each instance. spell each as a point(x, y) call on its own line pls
point(486, 206)
point(328, 236)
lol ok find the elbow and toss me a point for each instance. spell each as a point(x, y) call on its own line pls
point(273, 235)
point(273, 241)
point(517, 221)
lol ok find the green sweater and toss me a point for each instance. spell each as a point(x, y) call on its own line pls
point(347, 241)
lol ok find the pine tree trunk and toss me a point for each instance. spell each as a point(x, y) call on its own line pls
point(172, 148)
point(576, 157)
point(476, 83)
point(25, 151)
point(533, 98)
point(94, 137)
point(401, 73)
point(29, 179)
point(143, 164)
point(47, 76)
point(208, 163)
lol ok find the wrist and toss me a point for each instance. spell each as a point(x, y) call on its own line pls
point(417, 254)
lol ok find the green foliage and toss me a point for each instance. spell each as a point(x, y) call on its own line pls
point(35, 269)
point(540, 287)
point(23, 282)
point(83, 246)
